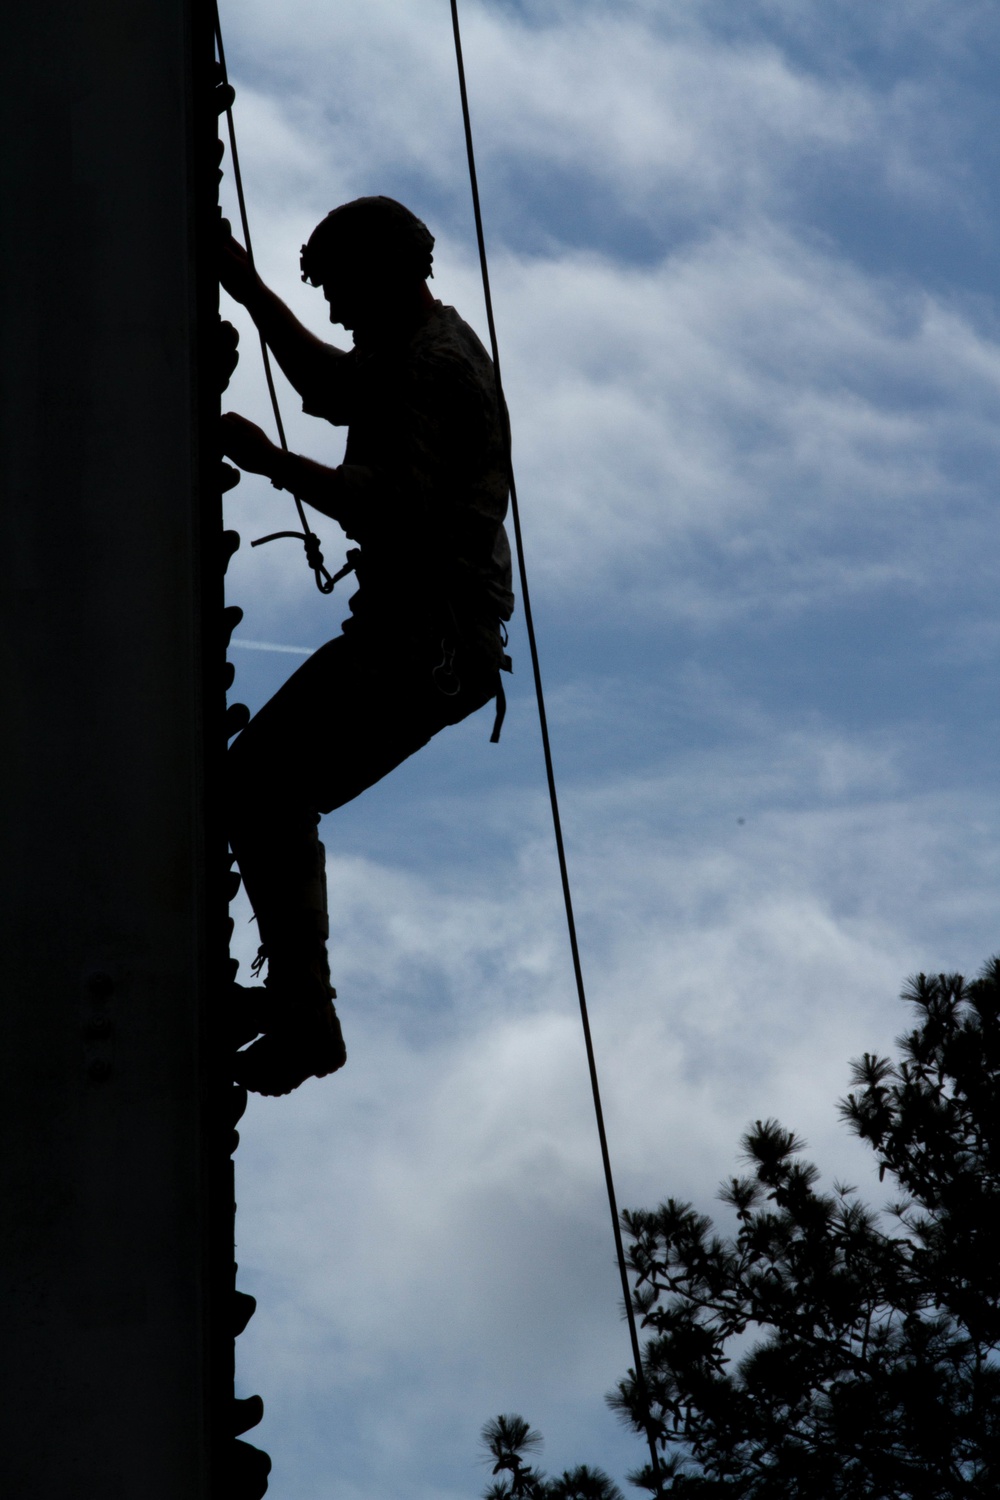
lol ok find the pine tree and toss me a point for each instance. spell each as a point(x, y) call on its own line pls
point(825, 1351)
point(508, 1439)
point(872, 1362)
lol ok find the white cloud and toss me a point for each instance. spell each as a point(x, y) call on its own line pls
point(752, 424)
point(749, 423)
point(751, 398)
point(720, 417)
point(661, 115)
point(438, 1206)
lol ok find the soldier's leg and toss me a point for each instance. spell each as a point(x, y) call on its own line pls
point(345, 719)
point(340, 723)
point(275, 788)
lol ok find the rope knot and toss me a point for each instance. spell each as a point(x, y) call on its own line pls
point(314, 556)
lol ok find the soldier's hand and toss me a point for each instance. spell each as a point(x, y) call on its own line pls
point(234, 268)
point(248, 445)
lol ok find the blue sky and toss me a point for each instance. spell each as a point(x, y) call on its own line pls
point(743, 263)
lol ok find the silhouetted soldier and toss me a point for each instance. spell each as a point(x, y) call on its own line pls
point(423, 492)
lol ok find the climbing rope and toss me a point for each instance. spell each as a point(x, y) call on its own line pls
point(549, 771)
point(314, 557)
point(325, 583)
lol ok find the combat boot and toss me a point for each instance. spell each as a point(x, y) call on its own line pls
point(301, 1032)
point(291, 1015)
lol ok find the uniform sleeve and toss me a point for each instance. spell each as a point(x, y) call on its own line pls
point(332, 396)
point(419, 434)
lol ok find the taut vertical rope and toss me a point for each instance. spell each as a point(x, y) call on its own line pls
point(307, 536)
point(549, 771)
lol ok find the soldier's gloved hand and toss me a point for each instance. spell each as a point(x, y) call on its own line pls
point(248, 445)
point(234, 268)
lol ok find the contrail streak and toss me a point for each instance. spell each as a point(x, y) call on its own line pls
point(273, 646)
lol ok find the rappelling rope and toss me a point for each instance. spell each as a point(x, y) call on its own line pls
point(549, 772)
point(324, 581)
point(325, 584)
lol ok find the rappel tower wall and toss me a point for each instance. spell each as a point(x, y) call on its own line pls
point(117, 1198)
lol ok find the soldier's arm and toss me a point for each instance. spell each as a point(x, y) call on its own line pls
point(250, 447)
point(303, 357)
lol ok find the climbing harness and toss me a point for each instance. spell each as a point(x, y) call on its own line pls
point(444, 676)
point(549, 771)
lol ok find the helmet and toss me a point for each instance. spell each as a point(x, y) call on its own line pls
point(377, 234)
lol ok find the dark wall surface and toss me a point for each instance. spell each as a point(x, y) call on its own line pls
point(109, 1200)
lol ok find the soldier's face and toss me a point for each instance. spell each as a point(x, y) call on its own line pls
point(343, 306)
point(351, 293)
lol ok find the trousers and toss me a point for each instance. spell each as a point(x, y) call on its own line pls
point(356, 709)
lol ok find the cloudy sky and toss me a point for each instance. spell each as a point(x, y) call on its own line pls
point(743, 261)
